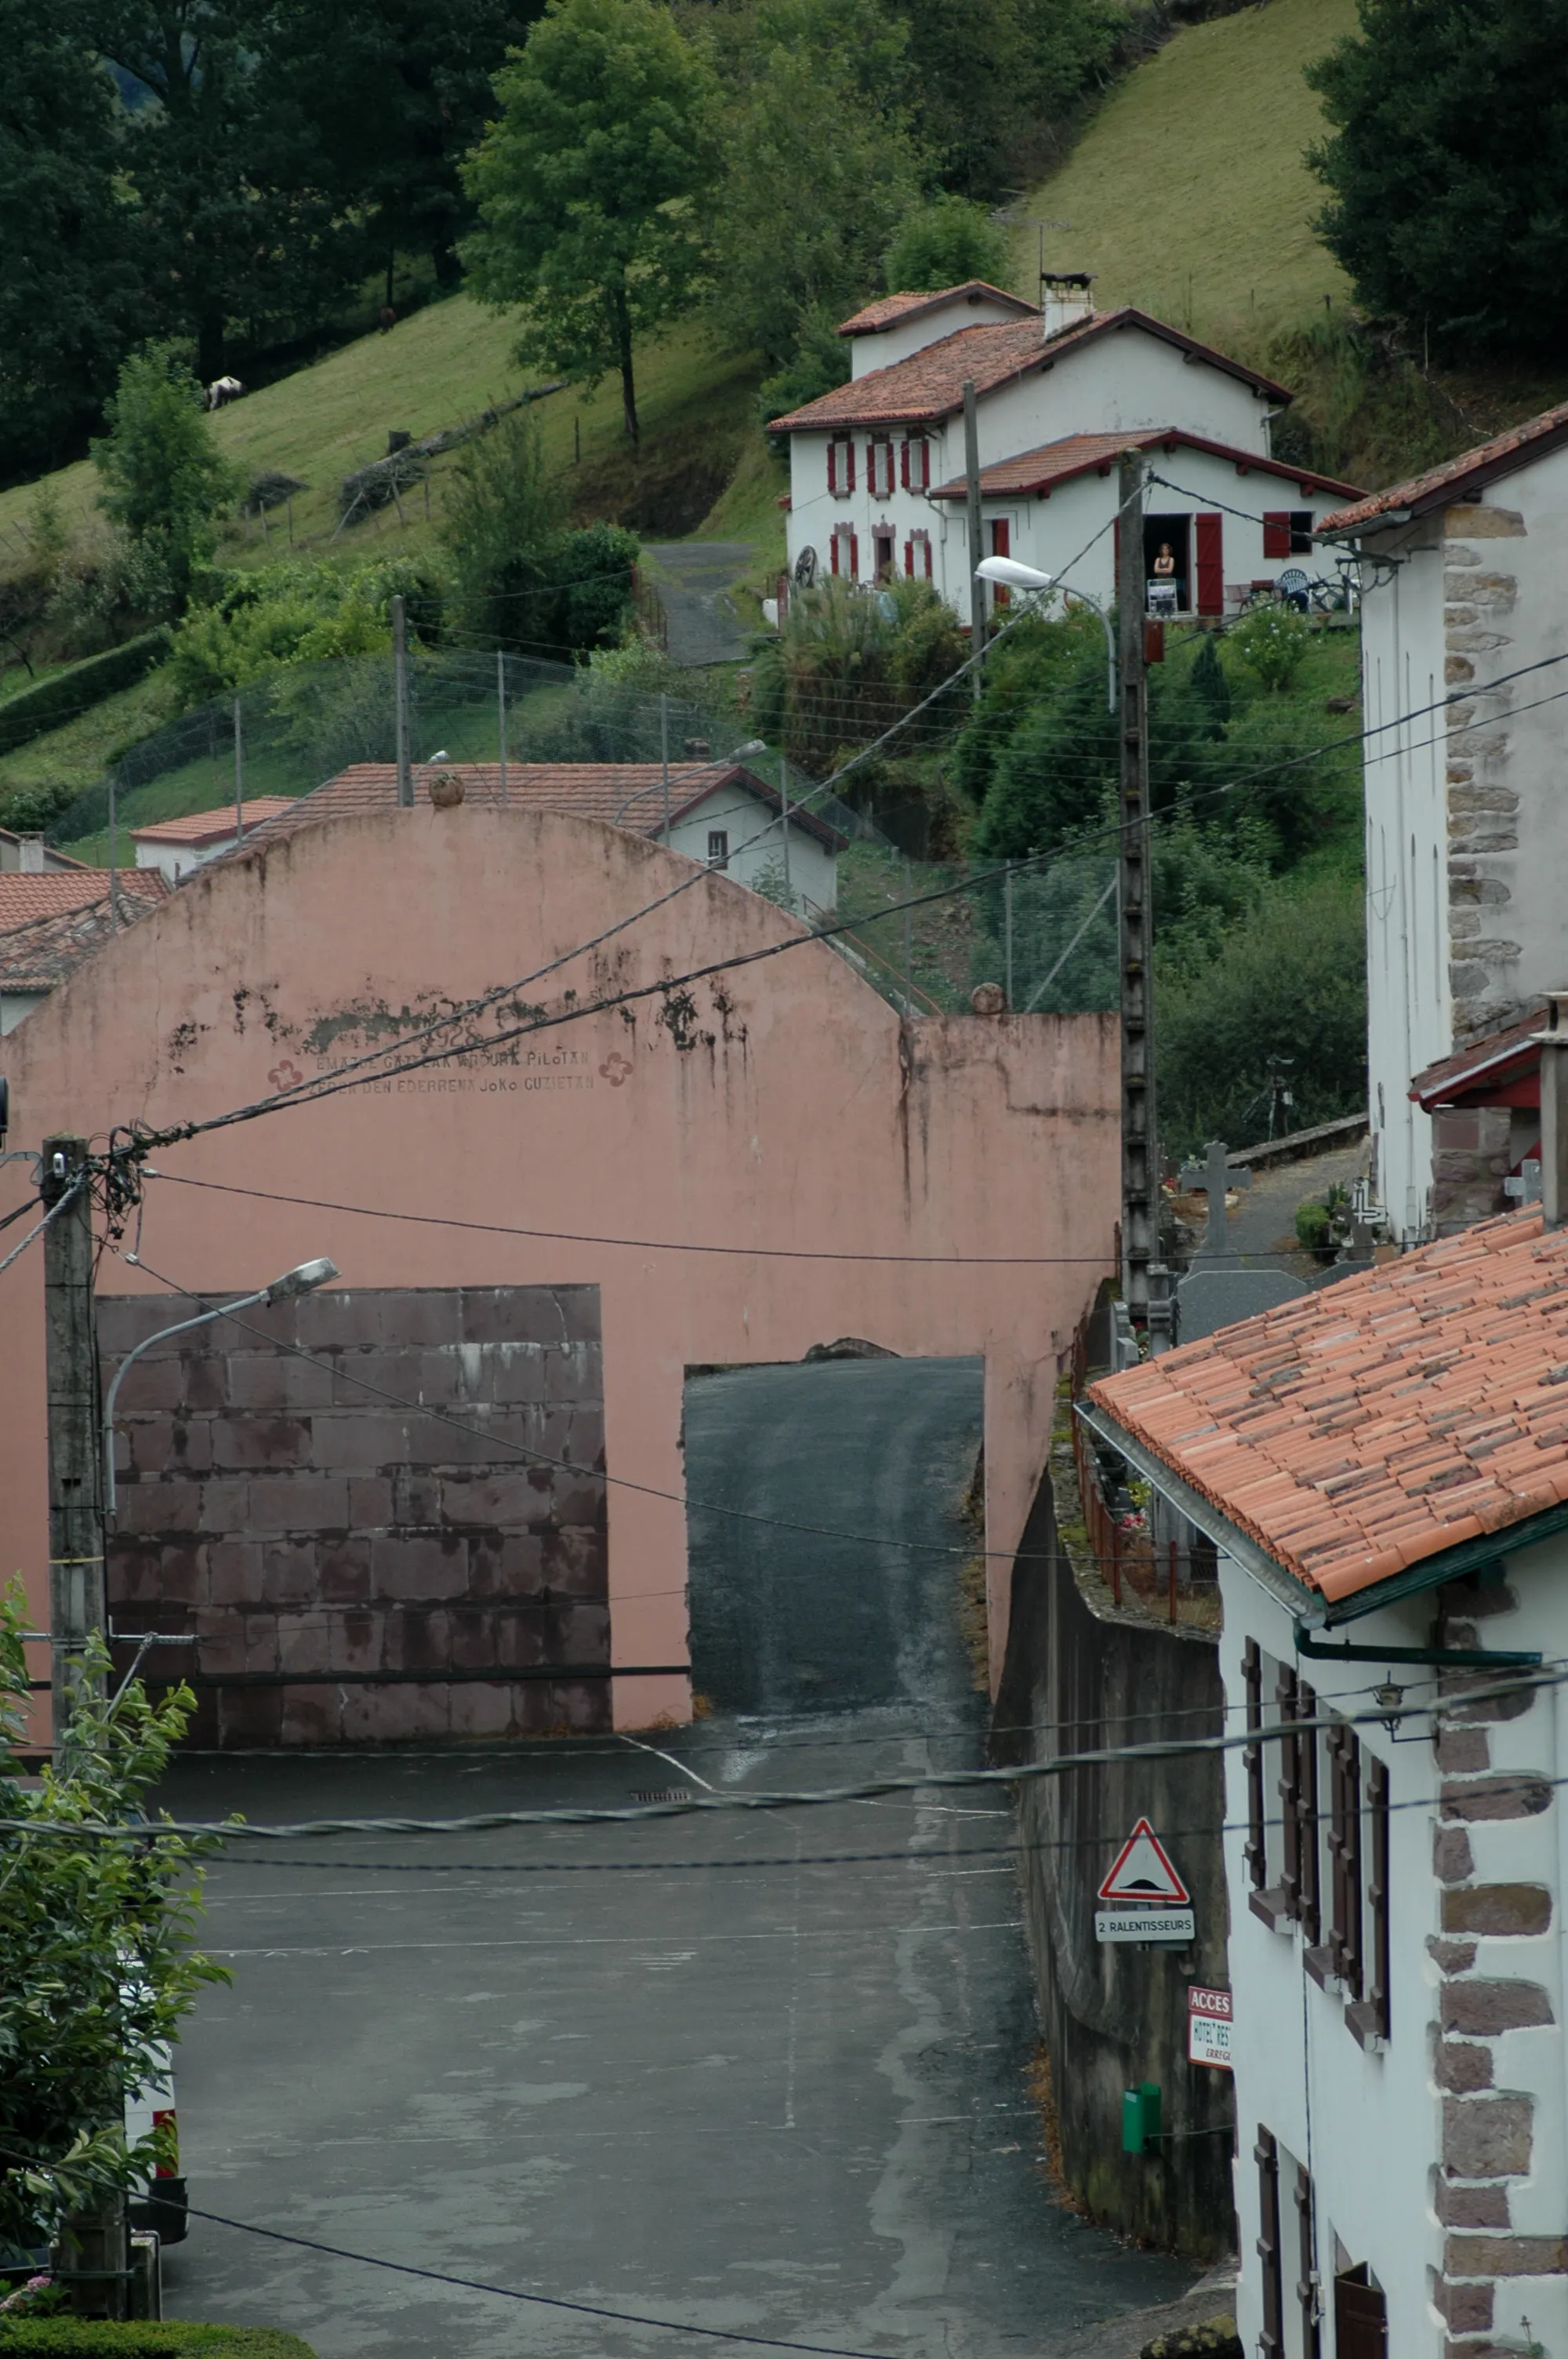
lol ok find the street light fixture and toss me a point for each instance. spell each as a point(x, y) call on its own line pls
point(741, 754)
point(304, 1279)
point(1009, 573)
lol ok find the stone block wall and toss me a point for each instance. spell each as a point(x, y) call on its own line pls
point(1471, 1157)
point(380, 1513)
point(1488, 2128)
point(1483, 808)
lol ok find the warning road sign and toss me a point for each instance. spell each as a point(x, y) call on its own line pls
point(1143, 1872)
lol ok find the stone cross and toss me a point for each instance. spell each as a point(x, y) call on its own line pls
point(1216, 1176)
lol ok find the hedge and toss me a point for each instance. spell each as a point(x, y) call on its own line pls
point(66, 693)
point(168, 2338)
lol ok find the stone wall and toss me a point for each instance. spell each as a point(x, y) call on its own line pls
point(1471, 1156)
point(348, 1500)
point(1483, 816)
point(1080, 1675)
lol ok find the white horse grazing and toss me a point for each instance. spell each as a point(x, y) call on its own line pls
point(222, 389)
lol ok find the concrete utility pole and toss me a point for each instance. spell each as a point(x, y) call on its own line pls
point(501, 713)
point(972, 507)
point(238, 773)
point(1139, 1152)
point(400, 698)
point(78, 1595)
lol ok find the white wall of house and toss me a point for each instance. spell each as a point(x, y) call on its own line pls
point(178, 860)
point(754, 851)
point(902, 337)
point(16, 1005)
point(1466, 836)
point(1440, 2161)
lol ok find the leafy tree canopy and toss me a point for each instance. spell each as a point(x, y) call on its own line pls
point(1447, 167)
point(164, 480)
point(591, 187)
point(945, 242)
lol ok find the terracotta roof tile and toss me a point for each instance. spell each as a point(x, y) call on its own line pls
point(889, 309)
point(1458, 478)
point(1495, 1057)
point(24, 897)
point(1435, 1408)
point(210, 826)
point(1041, 470)
point(42, 951)
point(625, 794)
point(929, 385)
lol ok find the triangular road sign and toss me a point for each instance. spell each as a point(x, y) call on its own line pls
point(1143, 1870)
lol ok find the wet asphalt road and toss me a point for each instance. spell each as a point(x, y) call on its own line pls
point(704, 2070)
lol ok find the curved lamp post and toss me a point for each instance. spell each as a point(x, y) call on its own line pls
point(1009, 573)
point(741, 754)
point(305, 1279)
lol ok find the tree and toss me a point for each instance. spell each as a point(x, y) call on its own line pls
point(590, 187)
point(96, 1939)
point(945, 242)
point(1447, 169)
point(163, 479)
point(501, 510)
point(820, 167)
point(990, 79)
point(70, 281)
point(821, 362)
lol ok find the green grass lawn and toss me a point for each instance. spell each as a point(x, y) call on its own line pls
point(1187, 193)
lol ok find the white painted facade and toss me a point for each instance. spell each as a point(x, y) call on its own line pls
point(1438, 2160)
point(178, 860)
point(1466, 820)
point(878, 348)
point(752, 849)
point(867, 505)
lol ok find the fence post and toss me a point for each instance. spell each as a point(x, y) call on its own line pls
point(1007, 934)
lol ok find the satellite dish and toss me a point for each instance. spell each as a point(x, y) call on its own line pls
point(805, 569)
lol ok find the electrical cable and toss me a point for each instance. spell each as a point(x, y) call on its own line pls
point(57, 1206)
point(711, 1804)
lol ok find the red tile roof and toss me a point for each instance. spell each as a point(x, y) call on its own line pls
point(929, 385)
point(40, 953)
point(1380, 1421)
point(1495, 1056)
point(25, 896)
point(1081, 454)
point(875, 317)
point(198, 828)
point(1458, 479)
point(599, 790)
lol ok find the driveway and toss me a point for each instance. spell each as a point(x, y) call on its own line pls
point(692, 578)
point(708, 2071)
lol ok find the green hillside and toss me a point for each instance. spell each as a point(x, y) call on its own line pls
point(1187, 193)
point(443, 365)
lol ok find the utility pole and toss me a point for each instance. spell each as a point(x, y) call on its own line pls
point(400, 698)
point(665, 760)
point(78, 1595)
point(238, 773)
point(972, 508)
point(1139, 1151)
point(500, 712)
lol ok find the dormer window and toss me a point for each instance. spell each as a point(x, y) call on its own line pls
point(879, 467)
point(914, 464)
point(840, 466)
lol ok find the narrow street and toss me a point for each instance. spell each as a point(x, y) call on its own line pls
point(706, 2069)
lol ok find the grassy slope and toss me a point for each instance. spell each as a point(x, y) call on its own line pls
point(1187, 192)
point(442, 365)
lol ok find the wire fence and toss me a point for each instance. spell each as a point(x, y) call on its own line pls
point(1044, 938)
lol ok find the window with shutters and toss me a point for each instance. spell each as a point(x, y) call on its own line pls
point(844, 553)
point(914, 464)
point(1339, 1957)
point(879, 467)
point(1368, 2018)
point(1307, 2339)
point(840, 466)
point(917, 555)
point(718, 847)
point(1001, 532)
point(1360, 2316)
point(1255, 1852)
point(1286, 532)
point(1266, 2154)
point(882, 544)
point(1265, 1684)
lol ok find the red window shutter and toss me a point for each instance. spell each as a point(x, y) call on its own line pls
point(1001, 546)
point(923, 449)
point(1210, 533)
point(928, 557)
point(909, 559)
point(833, 552)
point(832, 467)
point(904, 464)
point(854, 557)
point(1276, 532)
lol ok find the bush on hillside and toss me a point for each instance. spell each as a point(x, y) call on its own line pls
point(164, 480)
point(847, 662)
point(520, 579)
point(1288, 980)
point(262, 621)
point(50, 702)
point(821, 361)
point(944, 242)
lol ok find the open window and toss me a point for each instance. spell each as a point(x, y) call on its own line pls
point(914, 464)
point(879, 467)
point(917, 555)
point(1286, 532)
point(1167, 563)
point(883, 544)
point(844, 551)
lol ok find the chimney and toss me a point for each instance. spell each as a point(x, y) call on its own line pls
point(1066, 300)
point(1553, 1045)
point(31, 851)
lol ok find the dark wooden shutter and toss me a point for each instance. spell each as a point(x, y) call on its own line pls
point(903, 463)
point(854, 557)
point(1368, 2018)
point(1001, 546)
point(1276, 532)
point(1306, 2288)
point(833, 551)
point(925, 540)
point(1344, 1851)
point(920, 470)
point(1266, 2155)
point(1360, 2317)
point(1290, 1792)
point(1254, 1851)
point(909, 559)
point(832, 468)
point(1209, 531)
point(1309, 1855)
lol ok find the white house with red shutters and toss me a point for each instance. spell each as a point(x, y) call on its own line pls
point(877, 480)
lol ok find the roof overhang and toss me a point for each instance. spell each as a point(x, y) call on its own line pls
point(1304, 1604)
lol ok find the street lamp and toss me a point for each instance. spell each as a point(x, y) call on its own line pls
point(1009, 573)
point(305, 1279)
point(741, 754)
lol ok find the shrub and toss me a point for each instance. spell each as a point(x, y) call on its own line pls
point(846, 662)
point(1272, 642)
point(261, 622)
point(163, 479)
point(168, 2338)
point(944, 242)
point(1313, 1222)
point(821, 362)
point(64, 694)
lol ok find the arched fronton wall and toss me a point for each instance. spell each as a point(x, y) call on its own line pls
point(542, 1284)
